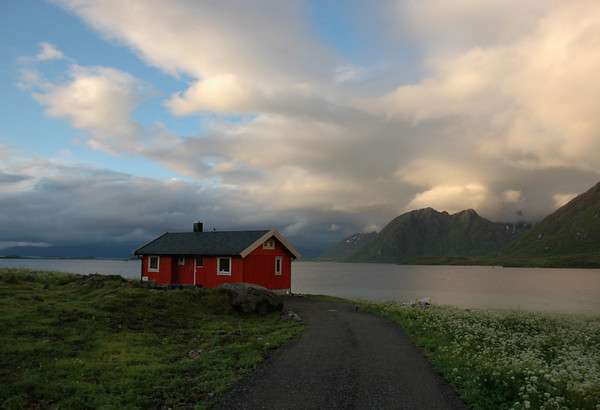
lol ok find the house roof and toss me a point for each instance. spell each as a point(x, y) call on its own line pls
point(222, 243)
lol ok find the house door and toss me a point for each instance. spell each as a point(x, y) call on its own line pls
point(177, 273)
point(199, 272)
point(183, 271)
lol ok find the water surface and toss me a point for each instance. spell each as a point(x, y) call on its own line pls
point(540, 289)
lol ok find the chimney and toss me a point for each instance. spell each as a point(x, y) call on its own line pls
point(198, 227)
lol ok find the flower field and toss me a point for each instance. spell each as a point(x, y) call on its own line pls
point(508, 359)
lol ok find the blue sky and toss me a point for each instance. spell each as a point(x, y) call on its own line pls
point(319, 118)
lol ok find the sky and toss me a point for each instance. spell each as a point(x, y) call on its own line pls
point(123, 120)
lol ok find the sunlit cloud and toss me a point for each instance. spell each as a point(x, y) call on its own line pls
point(498, 112)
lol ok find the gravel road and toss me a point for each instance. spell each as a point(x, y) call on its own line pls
point(345, 359)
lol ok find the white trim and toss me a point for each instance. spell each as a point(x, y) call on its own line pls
point(150, 269)
point(268, 235)
point(280, 260)
point(219, 271)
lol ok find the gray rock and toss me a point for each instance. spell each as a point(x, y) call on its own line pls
point(248, 298)
point(291, 315)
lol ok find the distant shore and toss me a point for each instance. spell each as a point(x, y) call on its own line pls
point(570, 261)
point(84, 258)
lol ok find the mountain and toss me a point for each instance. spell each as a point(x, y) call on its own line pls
point(347, 246)
point(572, 231)
point(426, 234)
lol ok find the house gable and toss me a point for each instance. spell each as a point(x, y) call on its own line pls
point(271, 234)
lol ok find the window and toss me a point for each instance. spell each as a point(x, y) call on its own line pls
point(199, 261)
point(181, 261)
point(270, 244)
point(223, 266)
point(153, 263)
point(278, 265)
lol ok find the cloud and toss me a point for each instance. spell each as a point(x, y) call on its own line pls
point(49, 52)
point(80, 205)
point(489, 111)
point(562, 199)
point(461, 24)
point(452, 198)
point(238, 47)
point(511, 196)
point(98, 100)
point(223, 93)
point(529, 102)
point(11, 244)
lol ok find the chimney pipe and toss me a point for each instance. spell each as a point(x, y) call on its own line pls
point(198, 227)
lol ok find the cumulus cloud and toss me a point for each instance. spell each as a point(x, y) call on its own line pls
point(49, 52)
point(99, 100)
point(223, 93)
point(499, 115)
point(234, 47)
point(529, 102)
point(451, 198)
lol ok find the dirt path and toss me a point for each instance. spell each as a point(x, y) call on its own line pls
point(344, 360)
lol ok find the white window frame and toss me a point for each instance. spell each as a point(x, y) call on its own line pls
point(150, 268)
point(181, 260)
point(221, 272)
point(280, 260)
point(269, 244)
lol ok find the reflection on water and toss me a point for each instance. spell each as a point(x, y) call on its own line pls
point(561, 290)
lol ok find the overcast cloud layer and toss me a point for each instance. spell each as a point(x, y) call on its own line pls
point(503, 117)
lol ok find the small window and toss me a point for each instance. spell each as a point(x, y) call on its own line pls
point(270, 244)
point(181, 261)
point(199, 261)
point(153, 263)
point(278, 265)
point(224, 266)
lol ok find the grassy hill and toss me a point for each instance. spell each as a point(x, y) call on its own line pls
point(426, 234)
point(74, 341)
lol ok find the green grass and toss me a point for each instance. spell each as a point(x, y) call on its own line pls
point(72, 341)
point(508, 359)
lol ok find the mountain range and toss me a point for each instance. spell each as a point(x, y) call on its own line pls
point(570, 236)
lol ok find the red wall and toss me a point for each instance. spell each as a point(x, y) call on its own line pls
point(258, 267)
point(164, 275)
point(207, 275)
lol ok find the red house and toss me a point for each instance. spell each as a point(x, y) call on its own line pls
point(209, 259)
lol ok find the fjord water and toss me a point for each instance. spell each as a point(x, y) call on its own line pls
point(536, 289)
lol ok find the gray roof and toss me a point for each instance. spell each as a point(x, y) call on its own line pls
point(226, 243)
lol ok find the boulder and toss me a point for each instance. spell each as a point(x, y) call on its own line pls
point(291, 315)
point(248, 298)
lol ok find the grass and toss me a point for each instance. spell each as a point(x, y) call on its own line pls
point(508, 359)
point(73, 341)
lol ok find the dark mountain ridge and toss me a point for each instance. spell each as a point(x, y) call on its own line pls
point(428, 233)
